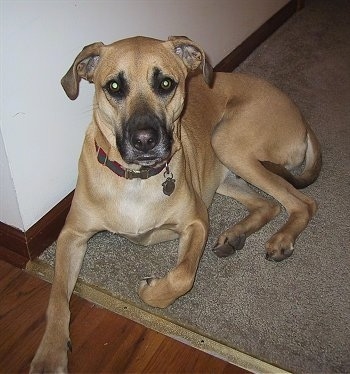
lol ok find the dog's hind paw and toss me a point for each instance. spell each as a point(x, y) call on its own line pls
point(279, 255)
point(224, 250)
point(279, 247)
point(230, 246)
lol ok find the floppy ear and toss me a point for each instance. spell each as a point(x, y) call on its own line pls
point(83, 67)
point(192, 56)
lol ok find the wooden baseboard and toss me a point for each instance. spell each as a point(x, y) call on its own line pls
point(239, 54)
point(12, 257)
point(17, 247)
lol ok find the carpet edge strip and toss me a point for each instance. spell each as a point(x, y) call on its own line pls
point(93, 294)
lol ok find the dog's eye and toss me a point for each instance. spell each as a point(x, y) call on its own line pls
point(114, 87)
point(162, 84)
point(166, 84)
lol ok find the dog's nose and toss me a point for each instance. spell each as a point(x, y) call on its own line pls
point(144, 139)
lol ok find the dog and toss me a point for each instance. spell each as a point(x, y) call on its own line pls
point(166, 135)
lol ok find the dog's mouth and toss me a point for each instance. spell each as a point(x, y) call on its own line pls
point(151, 161)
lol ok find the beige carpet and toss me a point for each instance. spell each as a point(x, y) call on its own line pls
point(294, 314)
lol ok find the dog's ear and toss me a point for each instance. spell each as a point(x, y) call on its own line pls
point(83, 67)
point(192, 56)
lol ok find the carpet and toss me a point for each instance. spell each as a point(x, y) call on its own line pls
point(294, 315)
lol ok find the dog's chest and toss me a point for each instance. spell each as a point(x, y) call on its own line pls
point(138, 208)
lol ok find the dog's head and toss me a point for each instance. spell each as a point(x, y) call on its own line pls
point(139, 91)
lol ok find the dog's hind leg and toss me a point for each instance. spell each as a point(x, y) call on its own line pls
point(270, 129)
point(261, 211)
point(300, 207)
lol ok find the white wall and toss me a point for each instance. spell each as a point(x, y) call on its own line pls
point(9, 205)
point(42, 130)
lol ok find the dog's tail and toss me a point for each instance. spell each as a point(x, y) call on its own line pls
point(312, 168)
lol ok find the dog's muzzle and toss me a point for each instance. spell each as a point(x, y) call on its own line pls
point(146, 140)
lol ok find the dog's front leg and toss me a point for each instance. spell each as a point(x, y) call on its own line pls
point(162, 292)
point(51, 355)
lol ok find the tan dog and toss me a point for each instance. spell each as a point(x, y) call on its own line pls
point(158, 148)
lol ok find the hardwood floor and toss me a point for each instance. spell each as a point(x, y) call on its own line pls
point(102, 341)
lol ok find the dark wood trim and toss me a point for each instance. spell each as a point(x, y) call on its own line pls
point(13, 239)
point(12, 257)
point(17, 246)
point(239, 54)
point(300, 4)
point(46, 230)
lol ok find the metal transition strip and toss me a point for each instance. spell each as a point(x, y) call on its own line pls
point(159, 324)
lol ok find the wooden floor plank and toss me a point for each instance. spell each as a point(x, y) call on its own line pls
point(103, 342)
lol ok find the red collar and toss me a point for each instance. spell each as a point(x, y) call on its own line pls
point(118, 169)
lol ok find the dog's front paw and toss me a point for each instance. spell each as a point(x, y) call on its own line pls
point(47, 360)
point(49, 365)
point(279, 247)
point(155, 292)
point(227, 245)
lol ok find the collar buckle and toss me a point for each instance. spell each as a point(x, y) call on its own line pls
point(142, 174)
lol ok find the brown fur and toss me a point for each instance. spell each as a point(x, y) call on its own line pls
point(240, 124)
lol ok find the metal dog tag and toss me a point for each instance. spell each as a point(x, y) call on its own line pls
point(169, 183)
point(168, 186)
